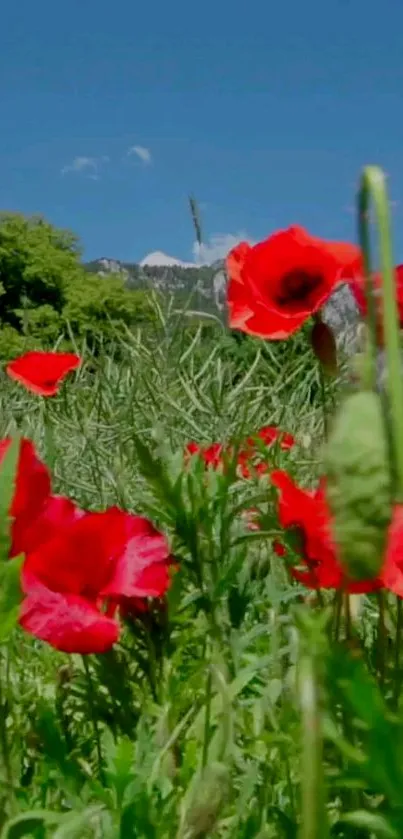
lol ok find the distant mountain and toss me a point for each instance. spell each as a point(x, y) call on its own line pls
point(201, 287)
point(158, 259)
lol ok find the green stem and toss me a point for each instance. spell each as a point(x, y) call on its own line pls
point(152, 662)
point(323, 399)
point(94, 718)
point(347, 615)
point(290, 786)
point(369, 373)
point(5, 745)
point(50, 447)
point(373, 186)
point(381, 639)
point(398, 643)
point(313, 812)
point(207, 717)
point(337, 606)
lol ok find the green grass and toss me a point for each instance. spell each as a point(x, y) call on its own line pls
point(210, 683)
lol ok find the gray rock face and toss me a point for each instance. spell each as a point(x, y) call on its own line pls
point(208, 284)
point(341, 313)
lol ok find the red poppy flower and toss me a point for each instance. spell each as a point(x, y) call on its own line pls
point(212, 455)
point(53, 518)
point(358, 287)
point(269, 434)
point(392, 571)
point(307, 512)
point(42, 372)
point(249, 455)
point(276, 285)
point(32, 488)
point(250, 461)
point(69, 579)
point(279, 548)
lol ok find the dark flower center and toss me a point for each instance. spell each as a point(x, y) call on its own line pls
point(297, 285)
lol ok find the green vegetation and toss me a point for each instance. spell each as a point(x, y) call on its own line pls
point(176, 388)
point(247, 703)
point(47, 296)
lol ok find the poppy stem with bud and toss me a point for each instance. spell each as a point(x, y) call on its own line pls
point(373, 187)
point(314, 822)
point(50, 447)
point(94, 718)
point(398, 644)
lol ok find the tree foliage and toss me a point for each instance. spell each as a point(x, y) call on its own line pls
point(45, 291)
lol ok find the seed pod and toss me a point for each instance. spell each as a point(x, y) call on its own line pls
point(359, 485)
point(324, 346)
point(207, 797)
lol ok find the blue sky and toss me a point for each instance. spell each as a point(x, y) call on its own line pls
point(266, 111)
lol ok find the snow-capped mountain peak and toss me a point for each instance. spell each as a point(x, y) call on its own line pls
point(158, 258)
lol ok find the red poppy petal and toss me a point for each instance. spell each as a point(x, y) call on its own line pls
point(267, 323)
point(306, 578)
point(295, 504)
point(279, 548)
point(42, 372)
point(154, 581)
point(56, 514)
point(235, 262)
point(69, 623)
point(262, 299)
point(74, 561)
point(269, 434)
point(348, 256)
point(149, 548)
point(392, 571)
point(32, 488)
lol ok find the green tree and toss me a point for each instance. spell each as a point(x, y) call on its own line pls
point(100, 305)
point(44, 287)
point(37, 264)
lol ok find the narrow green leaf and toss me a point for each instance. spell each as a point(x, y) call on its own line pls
point(26, 823)
point(73, 825)
point(372, 822)
point(8, 471)
point(10, 595)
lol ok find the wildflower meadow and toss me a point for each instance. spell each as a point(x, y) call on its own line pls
point(201, 563)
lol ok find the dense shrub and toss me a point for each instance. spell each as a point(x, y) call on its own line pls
point(46, 295)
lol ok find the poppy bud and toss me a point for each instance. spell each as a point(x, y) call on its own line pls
point(324, 346)
point(207, 798)
point(358, 485)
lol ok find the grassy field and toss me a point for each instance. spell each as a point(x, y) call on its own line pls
point(195, 724)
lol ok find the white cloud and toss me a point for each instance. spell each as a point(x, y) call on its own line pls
point(88, 166)
point(218, 246)
point(142, 153)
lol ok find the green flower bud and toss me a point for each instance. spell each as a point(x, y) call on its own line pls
point(207, 797)
point(359, 485)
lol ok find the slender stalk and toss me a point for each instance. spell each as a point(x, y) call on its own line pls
point(94, 719)
point(369, 374)
point(347, 615)
point(337, 606)
point(398, 644)
point(152, 661)
point(50, 447)
point(207, 717)
point(323, 399)
point(290, 787)
point(313, 812)
point(4, 741)
point(373, 187)
point(381, 638)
